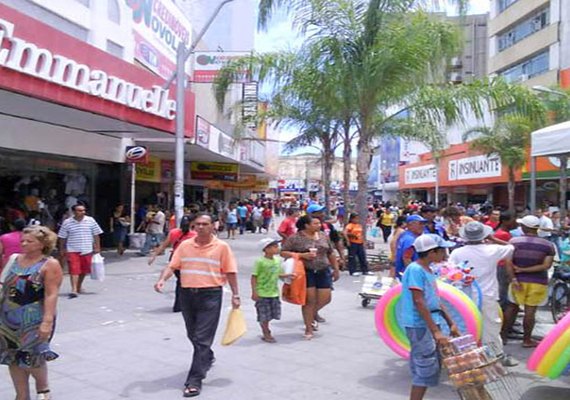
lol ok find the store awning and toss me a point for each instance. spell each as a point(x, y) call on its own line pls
point(551, 141)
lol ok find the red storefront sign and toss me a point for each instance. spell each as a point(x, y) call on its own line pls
point(41, 62)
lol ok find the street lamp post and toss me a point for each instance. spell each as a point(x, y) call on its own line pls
point(182, 56)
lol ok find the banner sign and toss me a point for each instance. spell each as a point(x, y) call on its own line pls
point(423, 174)
point(25, 57)
point(159, 27)
point(136, 154)
point(207, 65)
point(249, 105)
point(215, 140)
point(150, 171)
point(214, 171)
point(475, 167)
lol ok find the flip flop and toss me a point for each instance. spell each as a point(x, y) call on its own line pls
point(315, 325)
point(191, 391)
point(530, 345)
point(268, 339)
point(308, 336)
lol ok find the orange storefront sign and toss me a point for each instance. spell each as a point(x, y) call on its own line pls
point(459, 166)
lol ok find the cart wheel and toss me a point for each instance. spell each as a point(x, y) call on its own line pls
point(365, 302)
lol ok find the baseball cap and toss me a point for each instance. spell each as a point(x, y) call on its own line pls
point(530, 221)
point(430, 241)
point(315, 208)
point(266, 242)
point(416, 218)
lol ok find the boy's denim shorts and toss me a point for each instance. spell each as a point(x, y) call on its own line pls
point(425, 363)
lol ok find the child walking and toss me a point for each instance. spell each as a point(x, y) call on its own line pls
point(423, 314)
point(265, 288)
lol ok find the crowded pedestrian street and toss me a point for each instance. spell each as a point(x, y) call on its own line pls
point(121, 340)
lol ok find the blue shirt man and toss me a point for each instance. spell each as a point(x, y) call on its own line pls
point(405, 252)
point(242, 211)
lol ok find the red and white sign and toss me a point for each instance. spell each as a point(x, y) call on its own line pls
point(207, 65)
point(158, 28)
point(136, 154)
point(42, 62)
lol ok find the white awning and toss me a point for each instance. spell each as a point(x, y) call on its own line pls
point(550, 141)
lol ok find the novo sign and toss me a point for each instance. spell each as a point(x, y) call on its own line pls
point(29, 59)
point(423, 174)
point(475, 167)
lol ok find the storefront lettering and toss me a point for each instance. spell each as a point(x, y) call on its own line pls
point(475, 167)
point(27, 58)
point(424, 174)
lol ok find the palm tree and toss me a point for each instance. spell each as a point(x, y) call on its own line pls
point(509, 138)
point(392, 59)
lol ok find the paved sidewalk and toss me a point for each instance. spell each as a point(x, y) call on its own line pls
point(121, 341)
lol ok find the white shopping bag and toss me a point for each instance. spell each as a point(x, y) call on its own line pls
point(288, 268)
point(98, 268)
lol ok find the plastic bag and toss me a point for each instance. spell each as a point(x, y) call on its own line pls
point(235, 327)
point(98, 268)
point(288, 269)
point(296, 291)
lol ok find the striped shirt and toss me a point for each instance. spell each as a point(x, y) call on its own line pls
point(530, 251)
point(79, 235)
point(203, 266)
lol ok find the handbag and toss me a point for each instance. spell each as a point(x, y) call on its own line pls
point(296, 291)
point(6, 271)
point(98, 268)
point(235, 327)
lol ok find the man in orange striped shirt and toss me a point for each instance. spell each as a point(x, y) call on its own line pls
point(206, 264)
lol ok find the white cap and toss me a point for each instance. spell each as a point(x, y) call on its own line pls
point(429, 241)
point(263, 243)
point(530, 221)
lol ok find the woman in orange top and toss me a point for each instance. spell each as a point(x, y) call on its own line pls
point(355, 235)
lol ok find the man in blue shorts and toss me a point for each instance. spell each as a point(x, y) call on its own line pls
point(423, 314)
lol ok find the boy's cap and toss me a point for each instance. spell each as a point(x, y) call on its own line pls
point(530, 221)
point(315, 208)
point(429, 241)
point(265, 242)
point(416, 218)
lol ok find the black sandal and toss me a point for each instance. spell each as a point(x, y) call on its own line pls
point(191, 391)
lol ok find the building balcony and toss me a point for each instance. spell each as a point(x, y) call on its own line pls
point(514, 13)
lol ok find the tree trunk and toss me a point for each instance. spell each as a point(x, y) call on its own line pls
point(362, 170)
point(563, 186)
point(346, 165)
point(511, 190)
point(328, 161)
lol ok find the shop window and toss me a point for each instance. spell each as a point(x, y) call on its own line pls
point(113, 11)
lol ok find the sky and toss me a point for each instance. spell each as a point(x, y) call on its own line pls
point(280, 35)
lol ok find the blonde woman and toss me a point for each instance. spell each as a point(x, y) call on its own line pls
point(28, 300)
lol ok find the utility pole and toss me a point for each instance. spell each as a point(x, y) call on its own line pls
point(182, 56)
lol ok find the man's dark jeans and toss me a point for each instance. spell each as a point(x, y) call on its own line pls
point(201, 312)
point(356, 252)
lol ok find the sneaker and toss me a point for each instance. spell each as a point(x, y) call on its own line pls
point(509, 361)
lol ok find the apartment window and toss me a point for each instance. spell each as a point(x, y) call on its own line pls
point(113, 12)
point(504, 4)
point(526, 28)
point(527, 69)
point(114, 49)
point(86, 3)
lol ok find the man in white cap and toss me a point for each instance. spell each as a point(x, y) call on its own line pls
point(528, 271)
point(484, 258)
point(423, 314)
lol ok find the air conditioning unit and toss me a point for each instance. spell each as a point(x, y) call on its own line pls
point(523, 77)
point(456, 62)
point(455, 77)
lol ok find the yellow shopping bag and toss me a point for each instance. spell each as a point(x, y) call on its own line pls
point(235, 327)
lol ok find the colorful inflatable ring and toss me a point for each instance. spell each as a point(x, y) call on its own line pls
point(552, 356)
point(394, 334)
